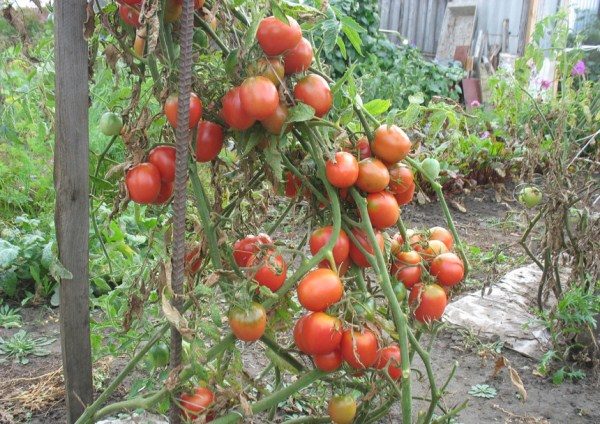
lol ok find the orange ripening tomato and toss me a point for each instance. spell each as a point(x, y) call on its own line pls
point(259, 97)
point(248, 324)
point(406, 268)
point(429, 302)
point(359, 349)
point(390, 143)
point(432, 249)
point(342, 172)
point(443, 235)
point(193, 260)
point(274, 123)
point(373, 175)
point(209, 141)
point(171, 108)
point(270, 68)
point(130, 15)
point(448, 269)
point(319, 289)
point(383, 209)
point(406, 197)
point(342, 409)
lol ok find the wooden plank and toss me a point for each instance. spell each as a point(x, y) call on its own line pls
point(532, 14)
point(421, 25)
point(403, 29)
point(457, 28)
point(412, 21)
point(439, 19)
point(384, 14)
point(72, 200)
point(523, 26)
point(505, 35)
point(430, 29)
point(395, 18)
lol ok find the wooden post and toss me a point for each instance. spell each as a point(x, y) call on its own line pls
point(72, 200)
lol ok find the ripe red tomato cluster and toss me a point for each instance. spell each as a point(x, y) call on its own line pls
point(258, 97)
point(152, 182)
point(129, 10)
point(429, 254)
point(387, 182)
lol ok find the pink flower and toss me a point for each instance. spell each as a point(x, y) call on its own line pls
point(545, 84)
point(578, 68)
point(484, 135)
point(475, 103)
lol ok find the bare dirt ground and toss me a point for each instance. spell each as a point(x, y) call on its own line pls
point(482, 225)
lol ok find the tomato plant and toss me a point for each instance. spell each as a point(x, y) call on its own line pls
point(383, 209)
point(259, 97)
point(276, 37)
point(321, 236)
point(143, 183)
point(172, 106)
point(209, 141)
point(196, 403)
point(321, 333)
point(233, 112)
point(429, 302)
point(110, 124)
point(448, 269)
point(320, 289)
point(271, 272)
point(390, 143)
point(389, 358)
point(298, 58)
point(248, 324)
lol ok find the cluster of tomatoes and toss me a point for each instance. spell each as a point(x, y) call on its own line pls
point(428, 269)
point(258, 97)
point(129, 10)
point(151, 182)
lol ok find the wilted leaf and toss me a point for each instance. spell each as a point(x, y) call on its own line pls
point(245, 405)
point(517, 382)
point(458, 206)
point(176, 319)
point(500, 363)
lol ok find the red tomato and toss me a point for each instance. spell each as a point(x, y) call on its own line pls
point(248, 324)
point(165, 193)
point(390, 143)
point(390, 357)
point(401, 178)
point(244, 249)
point(259, 97)
point(163, 157)
point(275, 37)
point(193, 260)
point(342, 409)
point(343, 172)
point(328, 362)
point(373, 175)
point(364, 148)
point(270, 68)
point(196, 403)
point(443, 235)
point(319, 289)
point(359, 349)
point(171, 107)
point(448, 269)
point(143, 183)
point(321, 333)
point(356, 255)
point(299, 58)
point(233, 113)
point(432, 249)
point(429, 302)
point(406, 267)
point(383, 209)
point(209, 141)
point(406, 197)
point(129, 15)
point(272, 271)
point(274, 123)
point(292, 184)
point(414, 239)
point(321, 236)
point(314, 91)
point(298, 331)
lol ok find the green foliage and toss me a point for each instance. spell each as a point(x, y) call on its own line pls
point(21, 345)
point(483, 391)
point(9, 317)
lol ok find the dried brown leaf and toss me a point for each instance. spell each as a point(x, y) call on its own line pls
point(245, 405)
point(90, 22)
point(515, 378)
point(459, 207)
point(501, 362)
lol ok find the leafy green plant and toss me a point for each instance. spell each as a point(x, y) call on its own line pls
point(9, 317)
point(22, 344)
point(483, 391)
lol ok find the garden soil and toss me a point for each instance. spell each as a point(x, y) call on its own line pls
point(32, 393)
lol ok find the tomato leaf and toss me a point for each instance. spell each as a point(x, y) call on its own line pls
point(342, 46)
point(300, 113)
point(231, 62)
point(278, 13)
point(377, 106)
point(349, 28)
point(273, 158)
point(250, 34)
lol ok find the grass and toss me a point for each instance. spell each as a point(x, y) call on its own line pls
point(22, 345)
point(9, 317)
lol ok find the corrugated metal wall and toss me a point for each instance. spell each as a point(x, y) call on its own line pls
point(420, 21)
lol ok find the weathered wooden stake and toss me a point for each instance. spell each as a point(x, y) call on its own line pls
point(72, 200)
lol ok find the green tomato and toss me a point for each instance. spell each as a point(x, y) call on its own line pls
point(111, 124)
point(365, 307)
point(530, 197)
point(431, 168)
point(160, 355)
point(400, 291)
point(200, 38)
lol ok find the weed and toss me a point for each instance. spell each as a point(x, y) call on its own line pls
point(9, 317)
point(21, 345)
point(483, 391)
